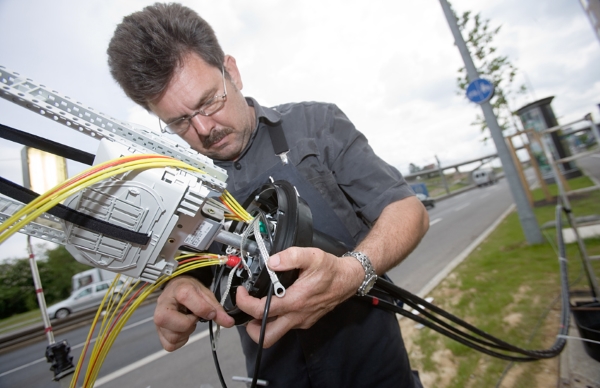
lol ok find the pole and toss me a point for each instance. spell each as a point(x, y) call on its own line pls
point(515, 157)
point(529, 223)
point(39, 291)
point(57, 353)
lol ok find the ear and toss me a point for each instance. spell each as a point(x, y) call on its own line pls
point(233, 71)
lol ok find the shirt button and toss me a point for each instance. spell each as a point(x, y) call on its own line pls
point(237, 166)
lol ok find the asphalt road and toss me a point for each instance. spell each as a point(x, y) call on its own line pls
point(137, 359)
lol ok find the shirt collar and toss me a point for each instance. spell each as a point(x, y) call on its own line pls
point(264, 115)
point(268, 116)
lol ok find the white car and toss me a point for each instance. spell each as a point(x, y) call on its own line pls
point(84, 298)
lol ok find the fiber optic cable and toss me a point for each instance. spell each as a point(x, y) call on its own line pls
point(112, 325)
point(79, 183)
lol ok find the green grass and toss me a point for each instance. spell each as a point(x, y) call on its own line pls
point(503, 288)
point(19, 320)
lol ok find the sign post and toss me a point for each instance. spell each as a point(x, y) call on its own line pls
point(480, 90)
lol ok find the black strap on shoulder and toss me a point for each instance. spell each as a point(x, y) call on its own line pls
point(42, 144)
point(278, 139)
point(24, 195)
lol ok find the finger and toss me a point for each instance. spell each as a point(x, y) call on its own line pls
point(200, 301)
point(294, 258)
point(172, 341)
point(250, 305)
point(169, 318)
point(274, 330)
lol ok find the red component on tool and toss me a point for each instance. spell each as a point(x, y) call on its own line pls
point(233, 261)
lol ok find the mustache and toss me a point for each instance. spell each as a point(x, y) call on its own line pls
point(215, 136)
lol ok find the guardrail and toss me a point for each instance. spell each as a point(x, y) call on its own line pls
point(34, 333)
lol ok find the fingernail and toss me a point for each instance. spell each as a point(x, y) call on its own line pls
point(274, 261)
point(211, 315)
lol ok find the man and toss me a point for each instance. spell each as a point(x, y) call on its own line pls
point(168, 60)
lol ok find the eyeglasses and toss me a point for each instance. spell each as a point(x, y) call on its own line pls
point(211, 107)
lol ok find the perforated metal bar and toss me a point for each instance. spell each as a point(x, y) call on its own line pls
point(49, 103)
point(8, 207)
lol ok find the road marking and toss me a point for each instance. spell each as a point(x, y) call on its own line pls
point(73, 347)
point(435, 221)
point(144, 361)
point(462, 206)
point(484, 195)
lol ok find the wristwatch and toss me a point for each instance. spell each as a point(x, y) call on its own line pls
point(370, 275)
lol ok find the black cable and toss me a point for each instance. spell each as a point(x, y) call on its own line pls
point(213, 349)
point(214, 353)
point(428, 318)
point(261, 338)
point(59, 149)
point(551, 352)
point(561, 252)
point(464, 338)
point(393, 308)
point(531, 336)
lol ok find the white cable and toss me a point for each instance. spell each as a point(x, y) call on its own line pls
point(578, 338)
point(229, 281)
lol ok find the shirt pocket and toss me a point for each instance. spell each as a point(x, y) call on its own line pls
point(305, 155)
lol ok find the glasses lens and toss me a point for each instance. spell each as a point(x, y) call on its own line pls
point(213, 106)
point(178, 126)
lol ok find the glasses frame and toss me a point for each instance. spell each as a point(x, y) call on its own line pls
point(166, 128)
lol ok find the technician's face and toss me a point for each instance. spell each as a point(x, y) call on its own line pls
point(222, 135)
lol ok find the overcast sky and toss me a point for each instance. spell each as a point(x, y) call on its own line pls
point(390, 66)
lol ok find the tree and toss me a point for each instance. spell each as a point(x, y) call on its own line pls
point(479, 36)
point(412, 168)
point(17, 291)
point(61, 267)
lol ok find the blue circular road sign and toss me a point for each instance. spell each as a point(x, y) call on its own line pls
point(480, 91)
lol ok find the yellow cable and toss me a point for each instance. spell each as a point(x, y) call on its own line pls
point(125, 317)
point(235, 206)
point(105, 342)
point(106, 172)
point(89, 337)
point(100, 167)
point(88, 181)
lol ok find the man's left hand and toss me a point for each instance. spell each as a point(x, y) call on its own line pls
point(324, 282)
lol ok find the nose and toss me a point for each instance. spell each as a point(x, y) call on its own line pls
point(202, 124)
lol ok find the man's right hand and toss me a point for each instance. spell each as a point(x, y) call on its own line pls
point(183, 301)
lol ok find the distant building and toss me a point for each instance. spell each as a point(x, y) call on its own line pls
point(592, 9)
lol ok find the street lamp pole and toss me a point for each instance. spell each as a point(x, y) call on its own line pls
point(529, 223)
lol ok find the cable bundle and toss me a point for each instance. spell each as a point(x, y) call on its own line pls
point(79, 182)
point(232, 209)
point(430, 316)
point(118, 312)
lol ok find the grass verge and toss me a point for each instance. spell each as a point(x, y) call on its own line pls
point(19, 320)
point(508, 289)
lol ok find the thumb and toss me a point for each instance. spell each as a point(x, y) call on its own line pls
point(292, 258)
point(275, 262)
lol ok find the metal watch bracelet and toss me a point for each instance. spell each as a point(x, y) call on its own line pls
point(370, 275)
